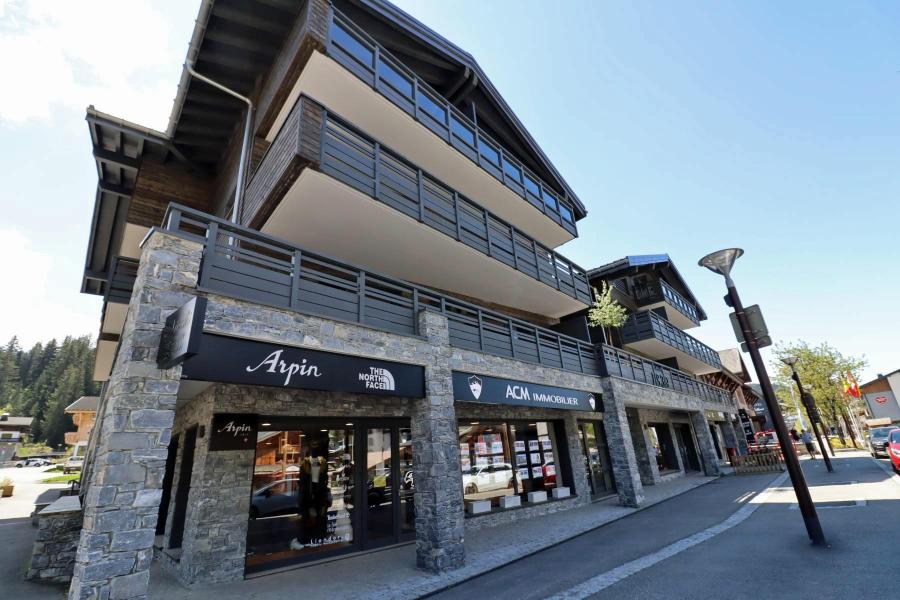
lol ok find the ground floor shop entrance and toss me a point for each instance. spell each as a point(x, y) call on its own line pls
point(323, 488)
point(686, 446)
point(595, 453)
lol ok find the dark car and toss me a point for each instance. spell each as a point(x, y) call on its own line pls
point(277, 498)
point(878, 440)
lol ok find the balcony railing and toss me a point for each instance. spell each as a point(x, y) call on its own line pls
point(637, 368)
point(647, 324)
point(361, 55)
point(660, 291)
point(352, 157)
point(246, 264)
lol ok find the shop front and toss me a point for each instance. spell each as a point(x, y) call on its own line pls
point(518, 441)
point(314, 448)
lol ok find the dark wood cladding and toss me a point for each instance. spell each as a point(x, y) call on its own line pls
point(158, 184)
point(296, 147)
point(310, 33)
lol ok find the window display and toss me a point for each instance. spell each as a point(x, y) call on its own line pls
point(500, 459)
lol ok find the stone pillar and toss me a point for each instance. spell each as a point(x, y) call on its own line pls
point(122, 502)
point(644, 454)
point(678, 457)
point(730, 441)
point(579, 484)
point(708, 458)
point(623, 454)
point(436, 470)
point(743, 448)
point(214, 544)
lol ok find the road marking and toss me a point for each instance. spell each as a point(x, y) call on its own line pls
point(604, 580)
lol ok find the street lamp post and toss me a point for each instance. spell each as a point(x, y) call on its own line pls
point(721, 262)
point(811, 409)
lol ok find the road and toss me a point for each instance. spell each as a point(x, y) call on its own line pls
point(725, 540)
point(28, 487)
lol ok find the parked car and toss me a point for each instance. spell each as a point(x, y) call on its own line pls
point(878, 441)
point(486, 478)
point(73, 463)
point(33, 462)
point(894, 449)
point(276, 498)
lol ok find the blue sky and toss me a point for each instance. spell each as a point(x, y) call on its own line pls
point(684, 127)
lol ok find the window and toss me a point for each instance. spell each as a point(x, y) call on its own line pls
point(462, 131)
point(511, 170)
point(436, 111)
point(488, 152)
point(550, 200)
point(532, 187)
point(500, 459)
point(351, 45)
point(565, 212)
point(398, 81)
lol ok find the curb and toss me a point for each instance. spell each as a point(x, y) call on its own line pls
point(567, 539)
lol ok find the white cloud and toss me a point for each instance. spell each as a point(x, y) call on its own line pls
point(33, 306)
point(65, 55)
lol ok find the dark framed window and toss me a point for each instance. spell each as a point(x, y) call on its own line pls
point(351, 45)
point(430, 106)
point(462, 131)
point(511, 170)
point(565, 212)
point(488, 152)
point(397, 80)
point(506, 458)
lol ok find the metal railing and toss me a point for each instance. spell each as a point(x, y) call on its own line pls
point(647, 324)
point(246, 264)
point(659, 291)
point(359, 53)
point(637, 368)
point(357, 160)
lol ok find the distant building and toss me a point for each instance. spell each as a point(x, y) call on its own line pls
point(14, 429)
point(881, 396)
point(84, 413)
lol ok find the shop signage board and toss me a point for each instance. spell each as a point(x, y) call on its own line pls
point(181, 333)
point(747, 425)
point(469, 387)
point(233, 432)
point(228, 359)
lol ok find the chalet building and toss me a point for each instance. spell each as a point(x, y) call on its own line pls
point(882, 398)
point(84, 415)
point(13, 432)
point(335, 319)
point(678, 422)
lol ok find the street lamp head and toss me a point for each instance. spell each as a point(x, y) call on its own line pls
point(789, 361)
point(721, 261)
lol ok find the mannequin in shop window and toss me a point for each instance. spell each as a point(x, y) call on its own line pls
point(313, 500)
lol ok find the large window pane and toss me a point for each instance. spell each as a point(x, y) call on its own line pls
point(350, 44)
point(407, 484)
point(398, 81)
point(301, 503)
point(462, 131)
point(536, 459)
point(487, 470)
point(437, 111)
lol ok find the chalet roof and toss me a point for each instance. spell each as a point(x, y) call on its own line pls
point(733, 361)
point(17, 421)
point(84, 404)
point(880, 378)
point(235, 42)
point(651, 261)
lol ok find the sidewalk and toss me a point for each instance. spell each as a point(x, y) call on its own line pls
point(392, 573)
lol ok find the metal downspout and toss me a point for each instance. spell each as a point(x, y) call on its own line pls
point(245, 146)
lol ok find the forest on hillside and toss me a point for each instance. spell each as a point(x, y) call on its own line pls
point(42, 381)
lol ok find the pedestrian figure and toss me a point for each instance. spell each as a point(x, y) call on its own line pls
point(807, 440)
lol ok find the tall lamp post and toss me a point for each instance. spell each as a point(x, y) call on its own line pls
point(721, 262)
point(811, 409)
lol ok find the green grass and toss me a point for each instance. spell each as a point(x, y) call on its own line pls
point(26, 450)
point(62, 478)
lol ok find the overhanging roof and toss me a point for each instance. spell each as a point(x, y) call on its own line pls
point(84, 404)
point(654, 262)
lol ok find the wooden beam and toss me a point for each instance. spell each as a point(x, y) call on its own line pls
point(111, 188)
point(242, 42)
point(234, 63)
point(116, 158)
point(254, 21)
point(201, 140)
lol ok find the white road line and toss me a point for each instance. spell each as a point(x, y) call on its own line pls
point(614, 576)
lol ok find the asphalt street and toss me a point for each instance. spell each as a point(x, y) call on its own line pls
point(767, 555)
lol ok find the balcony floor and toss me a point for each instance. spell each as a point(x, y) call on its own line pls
point(329, 217)
point(327, 82)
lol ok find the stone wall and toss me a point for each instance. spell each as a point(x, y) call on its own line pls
point(59, 529)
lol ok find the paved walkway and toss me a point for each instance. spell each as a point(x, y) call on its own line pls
point(28, 488)
point(393, 574)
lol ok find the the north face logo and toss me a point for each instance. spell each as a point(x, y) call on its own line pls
point(475, 386)
point(592, 402)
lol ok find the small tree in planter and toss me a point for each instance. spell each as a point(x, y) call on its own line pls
point(606, 311)
point(6, 487)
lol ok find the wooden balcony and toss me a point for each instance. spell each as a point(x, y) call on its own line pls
point(652, 335)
